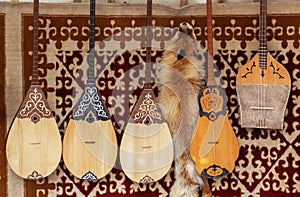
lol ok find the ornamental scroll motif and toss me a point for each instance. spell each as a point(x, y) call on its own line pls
point(212, 102)
point(147, 111)
point(146, 179)
point(35, 105)
point(91, 106)
point(89, 176)
point(35, 176)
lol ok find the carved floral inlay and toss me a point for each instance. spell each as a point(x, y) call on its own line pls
point(147, 111)
point(90, 103)
point(35, 105)
point(89, 176)
point(146, 179)
point(35, 175)
point(211, 101)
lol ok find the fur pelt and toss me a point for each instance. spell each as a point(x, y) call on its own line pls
point(182, 74)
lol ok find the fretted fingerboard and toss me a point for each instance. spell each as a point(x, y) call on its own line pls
point(210, 67)
point(35, 80)
point(91, 61)
point(148, 46)
point(263, 35)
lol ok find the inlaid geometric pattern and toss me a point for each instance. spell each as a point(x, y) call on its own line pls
point(269, 160)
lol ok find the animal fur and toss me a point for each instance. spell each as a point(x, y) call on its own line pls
point(182, 72)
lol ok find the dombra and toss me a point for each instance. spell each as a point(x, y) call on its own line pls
point(146, 151)
point(90, 145)
point(33, 147)
point(263, 85)
point(214, 147)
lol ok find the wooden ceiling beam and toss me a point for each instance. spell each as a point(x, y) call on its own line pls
point(183, 2)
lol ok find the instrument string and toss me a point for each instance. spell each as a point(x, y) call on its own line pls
point(264, 57)
point(210, 64)
point(262, 64)
point(91, 66)
point(147, 157)
point(35, 80)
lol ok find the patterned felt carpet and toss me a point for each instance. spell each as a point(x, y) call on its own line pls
point(269, 160)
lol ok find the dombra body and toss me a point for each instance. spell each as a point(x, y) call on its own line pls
point(89, 148)
point(146, 151)
point(33, 146)
point(214, 147)
point(263, 93)
point(263, 85)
